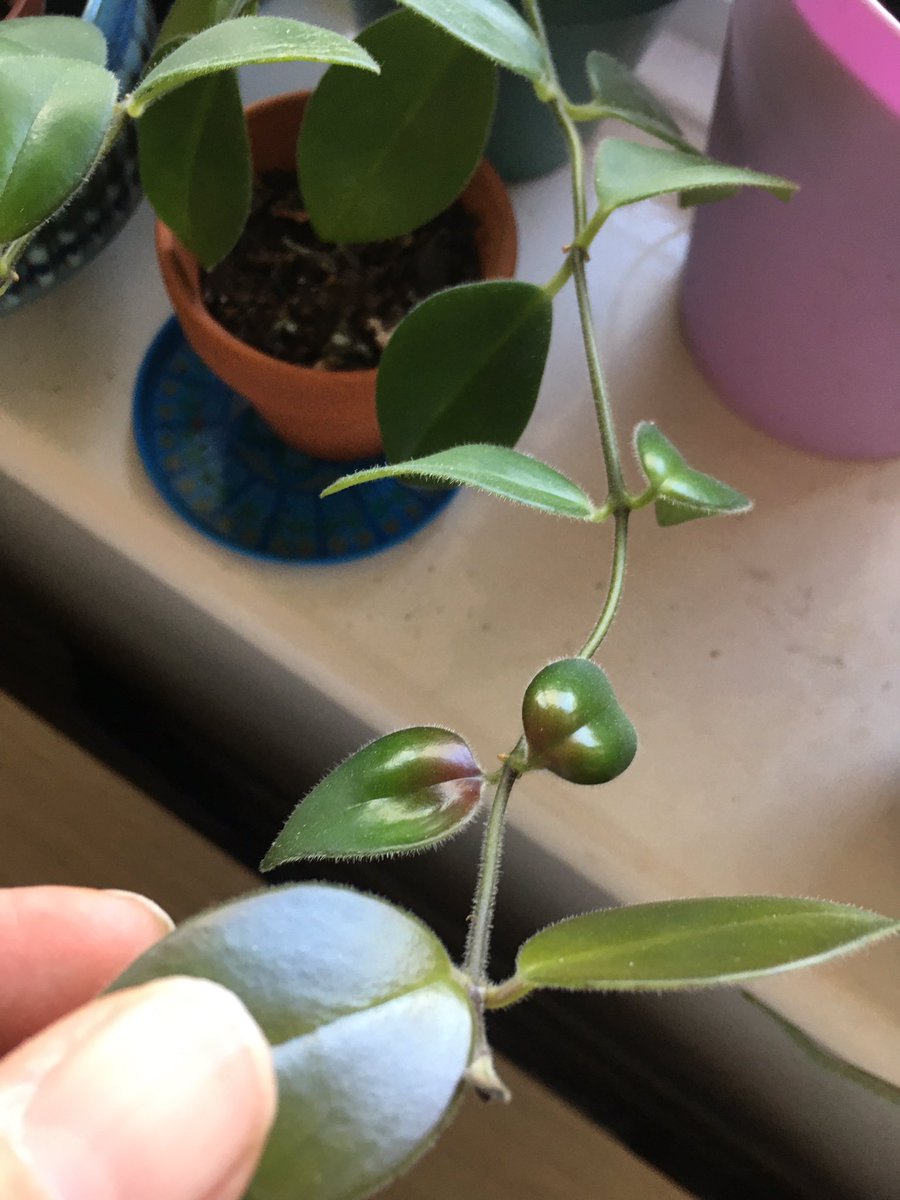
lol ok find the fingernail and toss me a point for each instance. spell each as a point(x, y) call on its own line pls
point(172, 1097)
point(159, 915)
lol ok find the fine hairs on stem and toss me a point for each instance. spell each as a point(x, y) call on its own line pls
point(482, 916)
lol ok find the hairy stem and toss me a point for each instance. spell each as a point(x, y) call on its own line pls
point(482, 919)
point(618, 501)
point(614, 589)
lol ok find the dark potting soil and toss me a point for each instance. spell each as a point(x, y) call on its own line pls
point(332, 307)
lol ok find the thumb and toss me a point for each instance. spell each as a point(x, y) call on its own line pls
point(166, 1090)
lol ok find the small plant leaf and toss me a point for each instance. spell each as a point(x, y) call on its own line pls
point(626, 172)
point(242, 42)
point(694, 943)
point(827, 1059)
point(194, 155)
point(493, 469)
point(56, 112)
point(682, 494)
point(62, 37)
point(380, 156)
point(465, 366)
point(406, 791)
point(492, 27)
point(370, 1029)
point(617, 93)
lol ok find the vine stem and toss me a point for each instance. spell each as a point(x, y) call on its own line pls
point(618, 500)
point(479, 939)
point(475, 964)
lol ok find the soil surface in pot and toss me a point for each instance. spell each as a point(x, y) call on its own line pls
point(331, 307)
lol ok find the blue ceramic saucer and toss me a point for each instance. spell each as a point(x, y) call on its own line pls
point(227, 474)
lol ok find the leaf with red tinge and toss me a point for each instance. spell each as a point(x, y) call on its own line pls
point(406, 791)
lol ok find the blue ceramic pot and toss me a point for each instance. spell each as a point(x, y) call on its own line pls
point(107, 200)
point(525, 139)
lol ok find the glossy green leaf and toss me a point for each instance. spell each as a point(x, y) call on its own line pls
point(617, 93)
point(380, 156)
point(694, 943)
point(626, 172)
point(370, 1029)
point(682, 494)
point(465, 366)
point(194, 155)
point(406, 791)
point(55, 114)
point(240, 43)
point(828, 1060)
point(63, 37)
point(492, 27)
point(193, 146)
point(493, 469)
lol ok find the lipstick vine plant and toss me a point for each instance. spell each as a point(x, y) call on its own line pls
point(375, 1032)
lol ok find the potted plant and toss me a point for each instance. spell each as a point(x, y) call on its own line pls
point(296, 316)
point(819, 280)
point(375, 1032)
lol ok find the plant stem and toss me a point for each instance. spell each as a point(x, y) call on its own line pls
point(475, 964)
point(618, 500)
point(482, 918)
point(579, 257)
point(555, 285)
point(504, 995)
point(614, 590)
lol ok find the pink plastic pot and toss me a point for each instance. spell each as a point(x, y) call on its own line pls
point(793, 311)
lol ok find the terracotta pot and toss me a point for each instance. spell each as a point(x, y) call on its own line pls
point(24, 8)
point(330, 414)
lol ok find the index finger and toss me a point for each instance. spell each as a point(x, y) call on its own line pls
point(61, 946)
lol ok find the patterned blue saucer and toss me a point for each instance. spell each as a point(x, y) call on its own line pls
point(228, 475)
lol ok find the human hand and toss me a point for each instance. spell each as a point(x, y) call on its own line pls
point(162, 1092)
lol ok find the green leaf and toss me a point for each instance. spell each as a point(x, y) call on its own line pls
point(378, 157)
point(465, 366)
point(63, 37)
point(694, 943)
point(626, 172)
point(492, 469)
point(55, 114)
point(617, 93)
point(827, 1059)
point(194, 156)
point(682, 494)
point(240, 43)
point(492, 27)
point(406, 791)
point(371, 1032)
point(187, 17)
